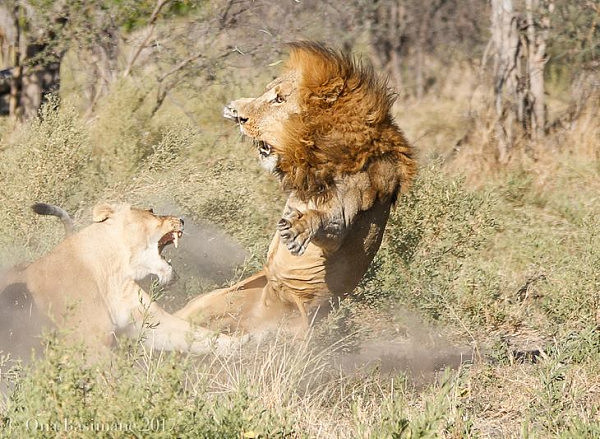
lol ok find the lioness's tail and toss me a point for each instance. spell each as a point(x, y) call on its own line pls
point(49, 209)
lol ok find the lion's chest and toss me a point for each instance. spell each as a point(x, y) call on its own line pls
point(319, 274)
point(304, 275)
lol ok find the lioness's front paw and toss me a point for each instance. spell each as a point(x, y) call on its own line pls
point(225, 345)
point(294, 232)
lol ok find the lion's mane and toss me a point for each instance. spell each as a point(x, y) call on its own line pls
point(344, 127)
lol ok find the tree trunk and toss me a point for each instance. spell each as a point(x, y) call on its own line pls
point(536, 39)
point(38, 82)
point(419, 81)
point(395, 34)
point(508, 102)
point(28, 83)
point(519, 43)
point(387, 28)
point(102, 69)
point(17, 69)
point(424, 30)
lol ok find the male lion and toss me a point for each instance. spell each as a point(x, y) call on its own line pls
point(324, 129)
point(88, 282)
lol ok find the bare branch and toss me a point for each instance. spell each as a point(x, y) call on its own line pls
point(164, 89)
point(181, 65)
point(152, 23)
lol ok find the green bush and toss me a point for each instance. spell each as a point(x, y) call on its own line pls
point(134, 393)
point(121, 132)
point(49, 161)
point(431, 238)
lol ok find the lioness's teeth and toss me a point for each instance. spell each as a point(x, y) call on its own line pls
point(175, 239)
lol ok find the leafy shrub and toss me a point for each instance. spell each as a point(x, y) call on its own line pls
point(136, 393)
point(122, 132)
point(48, 161)
point(431, 236)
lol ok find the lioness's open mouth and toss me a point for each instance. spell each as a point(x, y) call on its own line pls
point(168, 238)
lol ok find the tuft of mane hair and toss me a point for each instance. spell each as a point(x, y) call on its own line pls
point(344, 126)
point(49, 209)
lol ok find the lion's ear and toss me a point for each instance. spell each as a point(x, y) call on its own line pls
point(331, 91)
point(102, 212)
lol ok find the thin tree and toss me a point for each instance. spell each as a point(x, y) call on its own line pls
point(519, 47)
point(537, 35)
point(507, 65)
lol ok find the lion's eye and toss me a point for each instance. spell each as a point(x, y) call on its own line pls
point(278, 99)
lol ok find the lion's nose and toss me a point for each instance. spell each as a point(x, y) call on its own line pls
point(182, 222)
point(232, 114)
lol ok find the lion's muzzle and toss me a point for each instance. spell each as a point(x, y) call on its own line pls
point(229, 112)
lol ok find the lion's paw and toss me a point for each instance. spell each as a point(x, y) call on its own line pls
point(294, 232)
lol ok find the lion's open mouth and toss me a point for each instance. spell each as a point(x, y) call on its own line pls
point(169, 238)
point(268, 157)
point(264, 149)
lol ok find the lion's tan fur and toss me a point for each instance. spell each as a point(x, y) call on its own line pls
point(87, 283)
point(325, 129)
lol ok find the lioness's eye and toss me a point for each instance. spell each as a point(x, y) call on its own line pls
point(278, 99)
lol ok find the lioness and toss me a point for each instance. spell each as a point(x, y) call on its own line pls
point(325, 130)
point(88, 282)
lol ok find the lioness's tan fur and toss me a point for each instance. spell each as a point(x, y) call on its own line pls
point(324, 128)
point(87, 283)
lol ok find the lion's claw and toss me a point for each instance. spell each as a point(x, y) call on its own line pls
point(294, 248)
point(286, 235)
point(293, 232)
point(283, 224)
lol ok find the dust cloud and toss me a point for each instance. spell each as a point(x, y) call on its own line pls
point(420, 353)
point(420, 362)
point(206, 255)
point(20, 323)
point(207, 252)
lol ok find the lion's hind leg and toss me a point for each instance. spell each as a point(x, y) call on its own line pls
point(232, 301)
point(302, 309)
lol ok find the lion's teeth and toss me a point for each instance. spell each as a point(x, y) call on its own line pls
point(175, 239)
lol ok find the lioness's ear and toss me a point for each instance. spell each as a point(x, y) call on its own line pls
point(102, 212)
